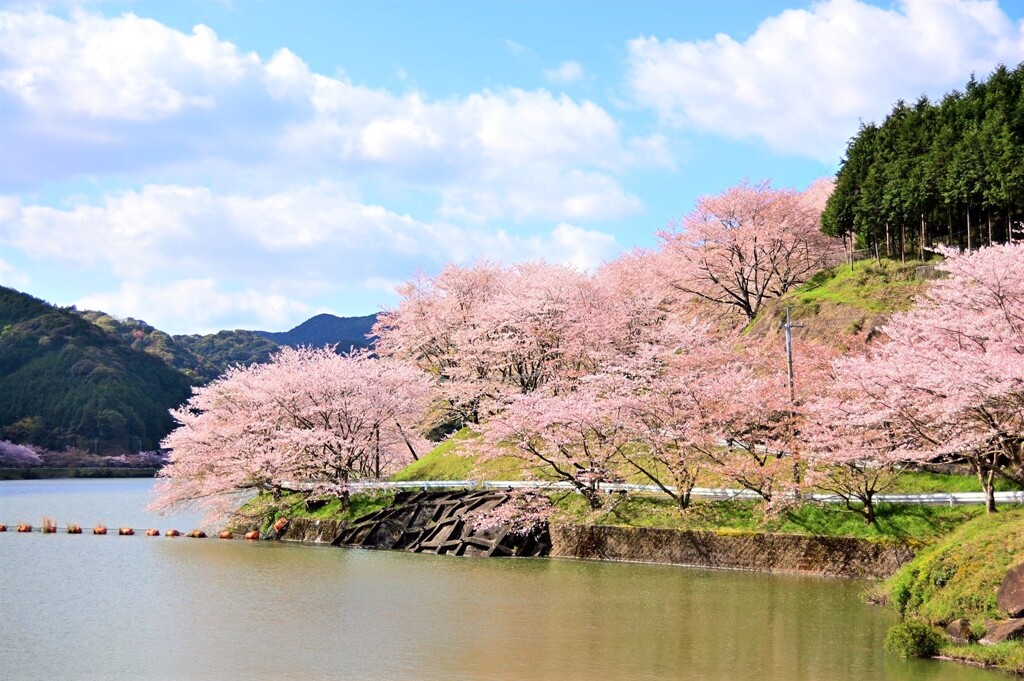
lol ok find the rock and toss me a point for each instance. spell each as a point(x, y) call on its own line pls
point(1010, 598)
point(959, 630)
point(1009, 630)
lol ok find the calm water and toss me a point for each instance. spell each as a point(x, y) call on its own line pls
point(86, 607)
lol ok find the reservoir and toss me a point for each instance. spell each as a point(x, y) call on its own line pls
point(110, 607)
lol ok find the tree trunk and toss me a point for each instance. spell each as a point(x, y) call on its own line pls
point(921, 245)
point(869, 511)
point(903, 243)
point(988, 486)
point(989, 226)
point(888, 243)
point(968, 229)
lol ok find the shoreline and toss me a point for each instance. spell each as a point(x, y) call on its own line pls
point(55, 473)
point(774, 553)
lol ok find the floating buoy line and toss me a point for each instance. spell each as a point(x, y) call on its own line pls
point(49, 527)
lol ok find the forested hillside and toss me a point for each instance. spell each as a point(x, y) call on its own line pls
point(327, 329)
point(66, 382)
point(203, 357)
point(950, 172)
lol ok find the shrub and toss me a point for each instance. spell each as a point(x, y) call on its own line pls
point(913, 639)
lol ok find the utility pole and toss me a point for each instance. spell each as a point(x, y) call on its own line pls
point(789, 326)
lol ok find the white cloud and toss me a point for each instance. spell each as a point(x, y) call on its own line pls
point(12, 277)
point(91, 95)
point(188, 257)
point(125, 68)
point(567, 72)
point(804, 78)
point(198, 305)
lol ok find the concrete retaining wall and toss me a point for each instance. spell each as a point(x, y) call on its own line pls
point(835, 556)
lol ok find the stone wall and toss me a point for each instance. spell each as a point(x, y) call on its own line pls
point(312, 531)
point(835, 556)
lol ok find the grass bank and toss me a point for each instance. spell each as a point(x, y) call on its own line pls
point(958, 577)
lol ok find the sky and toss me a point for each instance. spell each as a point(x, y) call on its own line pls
point(206, 165)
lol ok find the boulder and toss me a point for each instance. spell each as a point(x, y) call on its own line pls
point(1010, 597)
point(1009, 630)
point(959, 630)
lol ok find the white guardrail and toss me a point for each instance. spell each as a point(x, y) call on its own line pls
point(934, 499)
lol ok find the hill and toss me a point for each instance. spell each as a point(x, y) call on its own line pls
point(65, 382)
point(327, 329)
point(844, 306)
point(218, 351)
point(203, 357)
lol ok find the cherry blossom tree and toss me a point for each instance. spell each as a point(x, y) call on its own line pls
point(18, 455)
point(309, 416)
point(950, 382)
point(523, 513)
point(573, 436)
point(434, 318)
point(859, 445)
point(490, 332)
point(748, 245)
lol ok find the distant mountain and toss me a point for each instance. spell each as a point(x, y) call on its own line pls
point(205, 357)
point(66, 382)
point(224, 349)
point(327, 329)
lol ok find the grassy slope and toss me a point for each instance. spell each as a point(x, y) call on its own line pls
point(959, 576)
point(452, 460)
point(840, 306)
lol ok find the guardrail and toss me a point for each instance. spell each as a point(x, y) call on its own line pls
point(932, 499)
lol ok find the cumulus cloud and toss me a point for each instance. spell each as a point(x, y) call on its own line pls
point(91, 95)
point(126, 68)
point(567, 72)
point(233, 256)
point(12, 277)
point(802, 81)
point(198, 305)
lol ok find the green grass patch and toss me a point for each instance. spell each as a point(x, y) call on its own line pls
point(1008, 655)
point(452, 460)
point(262, 510)
point(922, 482)
point(875, 287)
point(959, 575)
point(895, 521)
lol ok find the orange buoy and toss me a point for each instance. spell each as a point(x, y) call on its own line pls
point(99, 529)
point(49, 527)
point(3, 528)
point(172, 533)
point(226, 534)
point(255, 534)
point(280, 524)
point(24, 528)
point(125, 531)
point(152, 533)
point(74, 529)
point(197, 534)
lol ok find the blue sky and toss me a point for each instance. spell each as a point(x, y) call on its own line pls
point(244, 164)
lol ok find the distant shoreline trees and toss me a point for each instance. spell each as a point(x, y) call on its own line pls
point(948, 173)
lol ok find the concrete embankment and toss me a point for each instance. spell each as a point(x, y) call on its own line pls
point(762, 552)
point(831, 556)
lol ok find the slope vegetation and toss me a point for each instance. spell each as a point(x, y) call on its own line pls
point(65, 382)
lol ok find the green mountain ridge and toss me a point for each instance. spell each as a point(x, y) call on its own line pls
point(327, 329)
point(65, 382)
point(85, 379)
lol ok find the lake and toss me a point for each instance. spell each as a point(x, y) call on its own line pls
point(110, 607)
